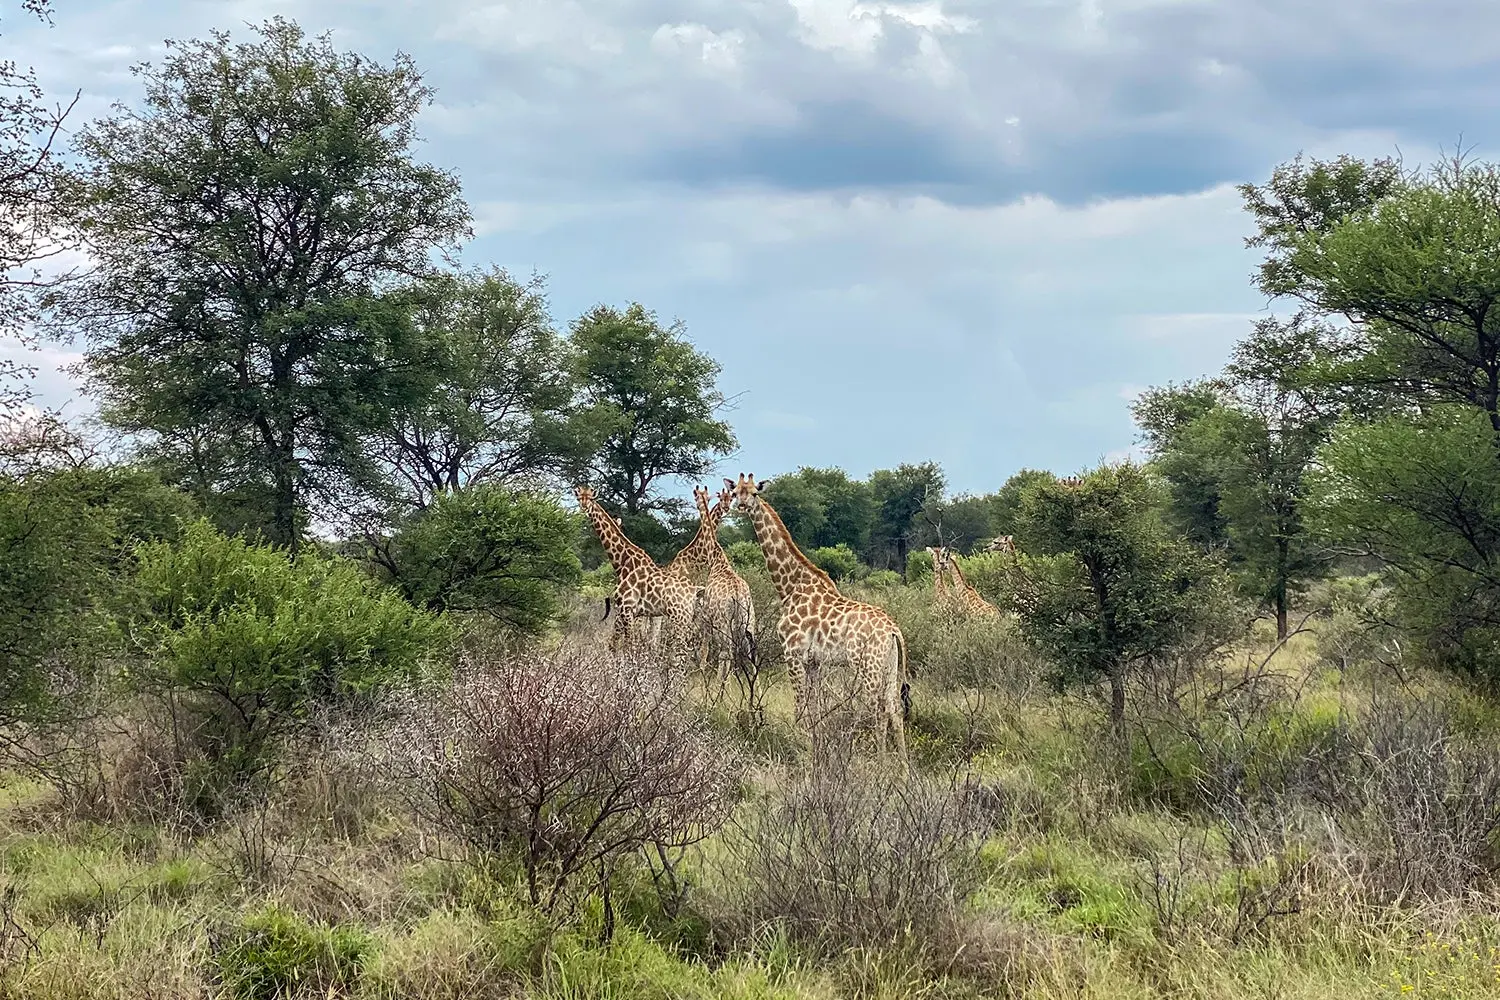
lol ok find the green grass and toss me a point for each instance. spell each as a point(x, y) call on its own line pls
point(369, 907)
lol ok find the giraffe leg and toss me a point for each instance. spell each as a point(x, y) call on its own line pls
point(677, 638)
point(620, 634)
point(796, 675)
point(893, 704)
point(725, 653)
point(875, 698)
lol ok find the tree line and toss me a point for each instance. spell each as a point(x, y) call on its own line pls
point(279, 336)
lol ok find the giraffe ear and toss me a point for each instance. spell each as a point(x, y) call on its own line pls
point(760, 487)
point(729, 484)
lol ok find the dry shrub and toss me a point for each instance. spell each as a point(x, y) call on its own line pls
point(570, 762)
point(847, 856)
point(1419, 818)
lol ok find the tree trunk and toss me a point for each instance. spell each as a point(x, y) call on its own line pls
point(284, 511)
point(1117, 698)
point(1280, 595)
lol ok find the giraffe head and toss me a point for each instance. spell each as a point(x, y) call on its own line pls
point(700, 497)
point(586, 500)
point(940, 559)
point(746, 492)
point(1005, 543)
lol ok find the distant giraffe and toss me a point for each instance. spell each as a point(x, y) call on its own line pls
point(961, 595)
point(939, 580)
point(728, 612)
point(1071, 482)
point(1002, 543)
point(642, 588)
point(821, 627)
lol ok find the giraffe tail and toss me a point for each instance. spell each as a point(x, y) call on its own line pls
point(905, 683)
point(606, 606)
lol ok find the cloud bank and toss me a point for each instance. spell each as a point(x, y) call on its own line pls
point(958, 230)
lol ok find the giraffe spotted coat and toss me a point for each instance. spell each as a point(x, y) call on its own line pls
point(820, 627)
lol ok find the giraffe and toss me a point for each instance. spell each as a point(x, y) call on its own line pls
point(729, 604)
point(939, 584)
point(962, 594)
point(642, 588)
point(819, 626)
point(728, 611)
point(1002, 543)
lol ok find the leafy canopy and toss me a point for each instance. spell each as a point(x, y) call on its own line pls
point(248, 225)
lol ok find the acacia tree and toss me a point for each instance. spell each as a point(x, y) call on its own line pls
point(501, 412)
point(651, 400)
point(900, 495)
point(824, 507)
point(1107, 585)
point(248, 224)
point(1398, 275)
point(28, 133)
point(1236, 458)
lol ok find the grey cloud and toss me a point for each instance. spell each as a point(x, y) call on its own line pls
point(1140, 98)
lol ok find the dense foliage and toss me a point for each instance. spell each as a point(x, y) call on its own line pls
point(299, 658)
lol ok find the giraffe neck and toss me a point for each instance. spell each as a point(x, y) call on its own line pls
point(622, 552)
point(699, 553)
point(791, 572)
point(958, 577)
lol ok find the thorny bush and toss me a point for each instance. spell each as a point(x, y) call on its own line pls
point(845, 856)
point(571, 762)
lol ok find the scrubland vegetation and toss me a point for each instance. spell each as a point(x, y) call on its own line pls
point(304, 687)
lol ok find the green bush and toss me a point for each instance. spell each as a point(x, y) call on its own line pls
point(919, 567)
point(66, 540)
point(600, 580)
point(838, 561)
point(249, 644)
point(882, 579)
point(746, 556)
point(992, 574)
point(273, 954)
point(486, 549)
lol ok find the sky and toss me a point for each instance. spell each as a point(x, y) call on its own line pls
point(967, 231)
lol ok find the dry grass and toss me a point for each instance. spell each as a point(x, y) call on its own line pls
point(1090, 884)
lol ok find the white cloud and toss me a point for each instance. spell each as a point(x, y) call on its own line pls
point(716, 52)
point(844, 199)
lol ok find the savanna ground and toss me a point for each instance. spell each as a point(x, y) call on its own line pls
point(1309, 820)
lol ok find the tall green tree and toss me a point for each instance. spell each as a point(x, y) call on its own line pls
point(501, 412)
point(1171, 422)
point(652, 401)
point(824, 508)
point(901, 495)
point(1108, 585)
point(1236, 459)
point(802, 507)
point(1421, 491)
point(962, 523)
point(1398, 277)
point(1005, 503)
point(248, 226)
